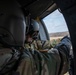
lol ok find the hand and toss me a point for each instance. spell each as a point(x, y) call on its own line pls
point(65, 44)
point(66, 41)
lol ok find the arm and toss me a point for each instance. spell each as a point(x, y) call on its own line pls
point(58, 57)
point(64, 48)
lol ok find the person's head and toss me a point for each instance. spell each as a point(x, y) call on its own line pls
point(12, 23)
point(33, 30)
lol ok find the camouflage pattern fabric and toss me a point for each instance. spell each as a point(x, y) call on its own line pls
point(53, 61)
point(8, 58)
point(27, 65)
point(41, 63)
point(42, 45)
point(50, 62)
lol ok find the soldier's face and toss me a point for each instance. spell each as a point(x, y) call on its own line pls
point(29, 39)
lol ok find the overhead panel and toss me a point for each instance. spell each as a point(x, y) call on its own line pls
point(37, 8)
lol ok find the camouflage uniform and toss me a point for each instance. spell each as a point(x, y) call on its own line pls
point(42, 45)
point(54, 61)
point(8, 59)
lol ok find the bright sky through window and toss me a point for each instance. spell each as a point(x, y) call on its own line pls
point(55, 22)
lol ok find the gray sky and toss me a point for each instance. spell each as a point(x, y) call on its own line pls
point(55, 22)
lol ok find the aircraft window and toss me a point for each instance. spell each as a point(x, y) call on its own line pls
point(56, 26)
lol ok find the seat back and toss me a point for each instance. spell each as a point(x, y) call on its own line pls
point(12, 23)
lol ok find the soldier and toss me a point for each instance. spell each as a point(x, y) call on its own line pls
point(48, 61)
point(32, 36)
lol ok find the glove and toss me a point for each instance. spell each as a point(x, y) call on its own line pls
point(65, 45)
point(66, 41)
